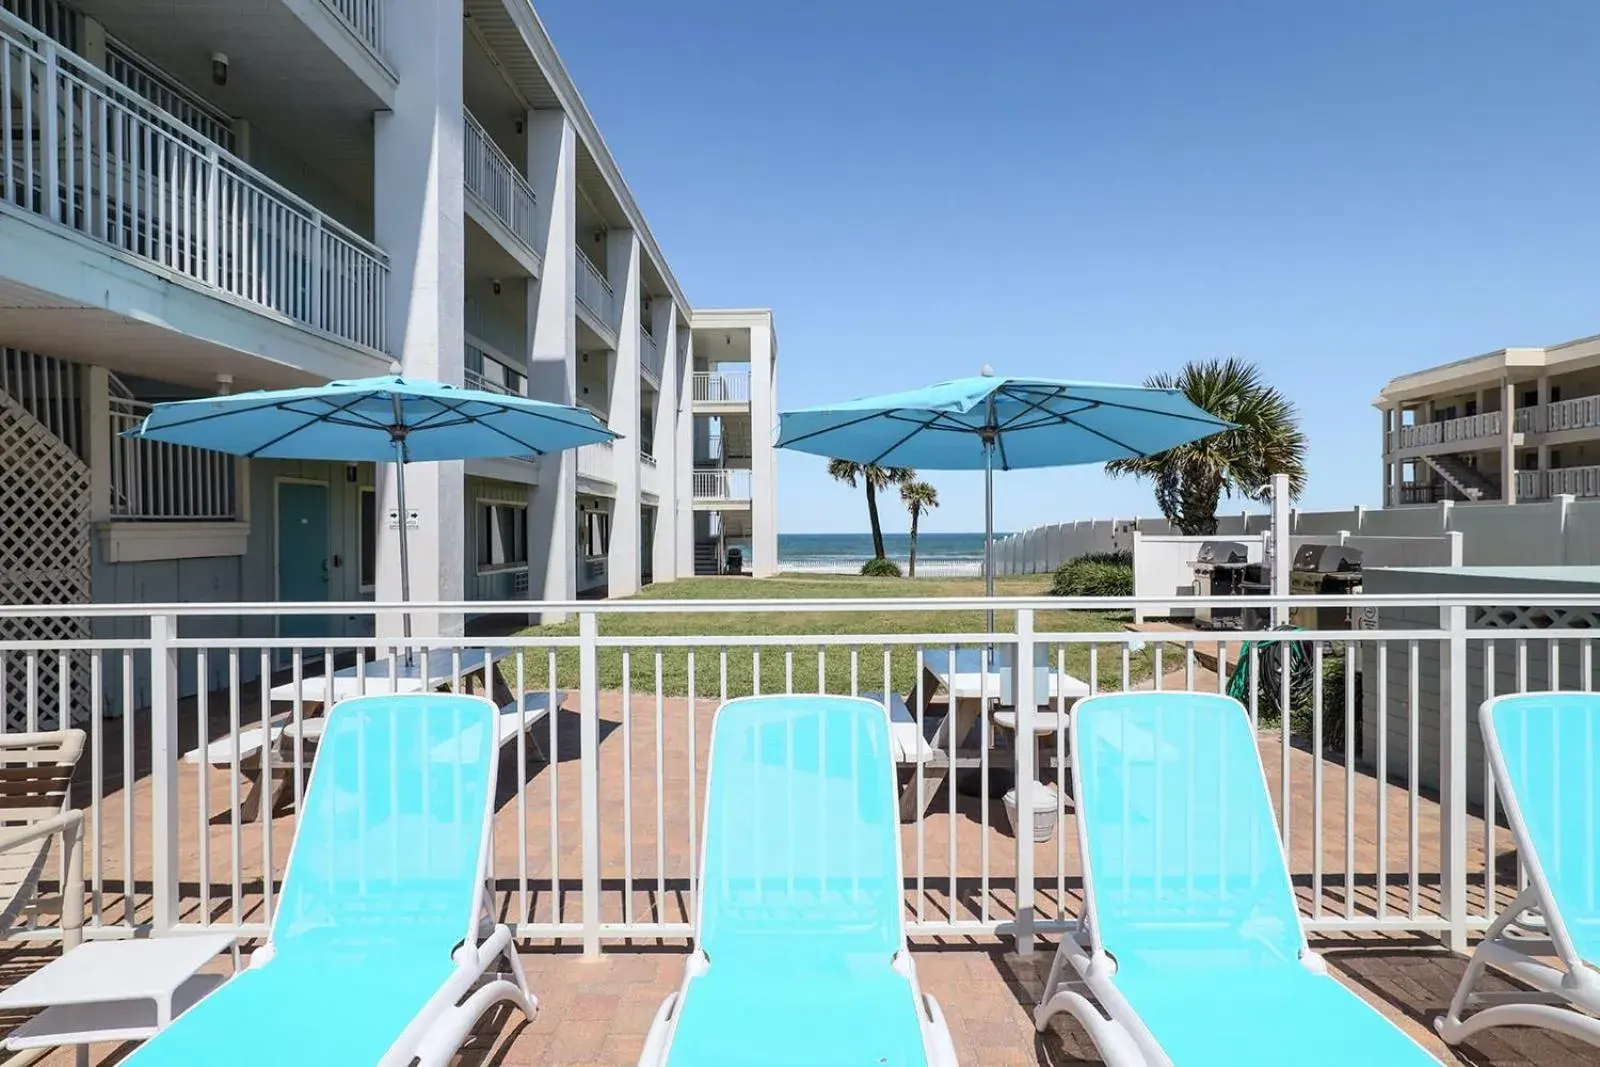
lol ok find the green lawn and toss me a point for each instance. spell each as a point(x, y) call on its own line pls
point(741, 660)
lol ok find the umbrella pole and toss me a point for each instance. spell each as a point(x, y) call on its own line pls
point(405, 555)
point(988, 526)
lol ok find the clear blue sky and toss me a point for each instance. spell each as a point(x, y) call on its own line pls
point(1340, 192)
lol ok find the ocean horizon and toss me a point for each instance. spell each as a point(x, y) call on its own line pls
point(948, 554)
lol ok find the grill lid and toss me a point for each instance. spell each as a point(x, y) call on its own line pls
point(1221, 553)
point(1327, 559)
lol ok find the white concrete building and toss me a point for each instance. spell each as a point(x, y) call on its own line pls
point(1446, 435)
point(216, 196)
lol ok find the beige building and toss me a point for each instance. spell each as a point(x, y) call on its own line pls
point(1446, 434)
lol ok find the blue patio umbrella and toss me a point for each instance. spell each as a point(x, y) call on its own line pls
point(974, 423)
point(386, 419)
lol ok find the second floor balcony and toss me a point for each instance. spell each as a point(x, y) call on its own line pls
point(594, 292)
point(717, 387)
point(723, 485)
point(1451, 431)
point(650, 356)
point(499, 186)
point(86, 152)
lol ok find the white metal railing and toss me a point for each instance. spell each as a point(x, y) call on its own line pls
point(498, 184)
point(649, 355)
point(598, 461)
point(1568, 481)
point(487, 369)
point(594, 292)
point(1579, 413)
point(152, 481)
point(722, 484)
point(365, 19)
point(166, 93)
point(712, 387)
point(1380, 726)
point(1450, 431)
point(87, 152)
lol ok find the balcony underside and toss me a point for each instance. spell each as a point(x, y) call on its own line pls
point(70, 297)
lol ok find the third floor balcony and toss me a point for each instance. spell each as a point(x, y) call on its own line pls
point(496, 186)
point(88, 153)
point(719, 388)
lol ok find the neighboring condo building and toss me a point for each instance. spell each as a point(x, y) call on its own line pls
point(210, 196)
point(1445, 436)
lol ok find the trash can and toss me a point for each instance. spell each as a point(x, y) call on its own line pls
point(1045, 803)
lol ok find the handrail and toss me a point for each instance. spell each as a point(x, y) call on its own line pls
point(515, 206)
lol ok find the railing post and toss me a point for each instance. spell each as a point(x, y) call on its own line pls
point(50, 140)
point(317, 237)
point(164, 756)
point(1453, 727)
point(1027, 704)
point(213, 198)
point(589, 775)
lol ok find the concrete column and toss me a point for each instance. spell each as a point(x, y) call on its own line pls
point(664, 552)
point(1508, 451)
point(683, 466)
point(553, 354)
point(1387, 497)
point(622, 267)
point(1541, 425)
point(418, 221)
point(97, 415)
point(763, 463)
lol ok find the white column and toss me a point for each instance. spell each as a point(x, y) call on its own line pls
point(622, 268)
point(553, 354)
point(417, 216)
point(1390, 492)
point(1541, 426)
point(1508, 450)
point(664, 552)
point(683, 465)
point(763, 464)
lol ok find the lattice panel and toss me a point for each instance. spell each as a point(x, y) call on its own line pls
point(44, 559)
point(1537, 618)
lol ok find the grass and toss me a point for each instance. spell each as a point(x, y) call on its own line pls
point(782, 668)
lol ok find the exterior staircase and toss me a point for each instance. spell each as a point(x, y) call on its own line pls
point(1462, 476)
point(707, 559)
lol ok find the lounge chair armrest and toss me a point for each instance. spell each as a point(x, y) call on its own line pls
point(1313, 962)
point(68, 744)
point(941, 1046)
point(16, 836)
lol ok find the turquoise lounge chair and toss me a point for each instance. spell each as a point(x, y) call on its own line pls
point(801, 956)
point(380, 951)
point(1190, 941)
point(1544, 750)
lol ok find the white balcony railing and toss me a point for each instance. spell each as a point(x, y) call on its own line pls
point(594, 292)
point(649, 355)
point(152, 481)
point(499, 185)
point(718, 388)
point(365, 19)
point(1579, 413)
point(722, 485)
point(87, 152)
point(1451, 431)
point(598, 461)
point(1434, 862)
point(1563, 481)
point(649, 474)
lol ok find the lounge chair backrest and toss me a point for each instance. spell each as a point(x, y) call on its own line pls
point(35, 774)
point(391, 841)
point(1545, 752)
point(801, 843)
point(1180, 849)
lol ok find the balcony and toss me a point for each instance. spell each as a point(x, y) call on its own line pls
point(1451, 431)
point(718, 388)
point(152, 481)
point(598, 463)
point(87, 153)
point(722, 485)
point(1579, 413)
point(594, 292)
point(487, 369)
point(364, 18)
point(499, 187)
point(650, 476)
point(1563, 481)
point(650, 358)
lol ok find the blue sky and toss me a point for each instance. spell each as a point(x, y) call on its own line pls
point(1340, 192)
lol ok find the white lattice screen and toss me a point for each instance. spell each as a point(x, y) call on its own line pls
point(1538, 618)
point(44, 559)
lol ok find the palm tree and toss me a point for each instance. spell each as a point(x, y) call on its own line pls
point(917, 497)
point(875, 478)
point(1191, 479)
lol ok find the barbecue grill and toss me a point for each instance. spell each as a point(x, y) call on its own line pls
point(1323, 570)
point(1219, 570)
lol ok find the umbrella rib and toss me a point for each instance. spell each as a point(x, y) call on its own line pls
point(879, 414)
point(314, 419)
point(915, 429)
point(507, 435)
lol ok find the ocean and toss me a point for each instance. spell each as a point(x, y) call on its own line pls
point(938, 554)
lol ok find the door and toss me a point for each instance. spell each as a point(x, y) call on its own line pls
point(303, 555)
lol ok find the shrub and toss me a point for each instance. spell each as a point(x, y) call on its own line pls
point(880, 568)
point(1090, 576)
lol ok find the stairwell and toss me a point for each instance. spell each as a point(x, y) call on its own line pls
point(1462, 476)
point(706, 558)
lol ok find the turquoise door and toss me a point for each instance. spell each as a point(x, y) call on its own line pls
point(303, 555)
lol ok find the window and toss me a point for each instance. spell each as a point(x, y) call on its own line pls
point(369, 538)
point(1530, 397)
point(502, 535)
point(594, 532)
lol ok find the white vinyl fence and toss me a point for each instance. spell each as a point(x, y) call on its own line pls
point(600, 802)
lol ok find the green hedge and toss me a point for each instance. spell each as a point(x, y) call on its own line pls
point(880, 568)
point(1104, 574)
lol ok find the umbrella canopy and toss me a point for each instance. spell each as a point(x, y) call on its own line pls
point(1031, 422)
point(392, 418)
point(377, 419)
